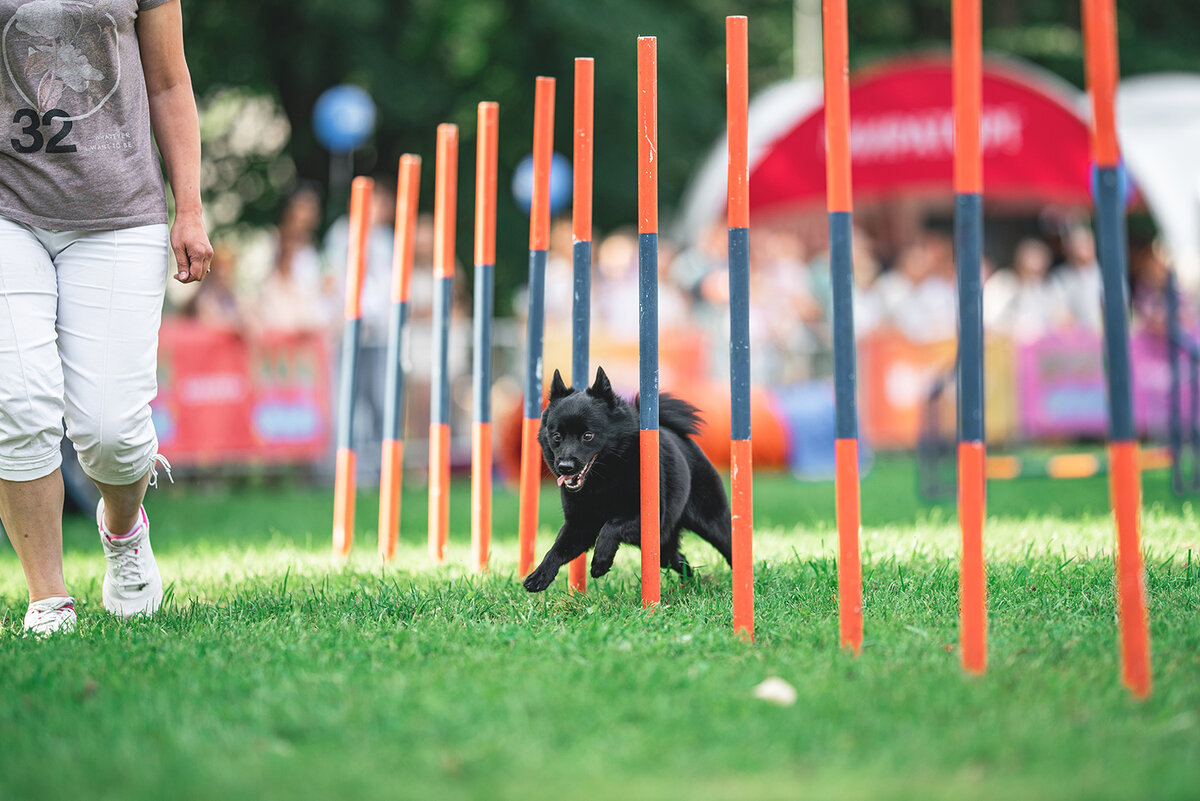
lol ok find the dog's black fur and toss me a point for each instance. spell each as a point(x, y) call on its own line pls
point(590, 440)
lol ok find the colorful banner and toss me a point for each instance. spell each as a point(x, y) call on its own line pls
point(898, 376)
point(222, 399)
point(1060, 385)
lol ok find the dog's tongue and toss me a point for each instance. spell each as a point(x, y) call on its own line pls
point(563, 480)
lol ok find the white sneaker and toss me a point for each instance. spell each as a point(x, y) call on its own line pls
point(50, 616)
point(132, 584)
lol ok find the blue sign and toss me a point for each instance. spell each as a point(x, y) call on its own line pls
point(561, 183)
point(343, 118)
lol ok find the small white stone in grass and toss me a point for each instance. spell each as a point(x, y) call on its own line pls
point(776, 691)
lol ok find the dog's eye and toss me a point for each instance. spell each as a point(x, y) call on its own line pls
point(557, 437)
point(587, 436)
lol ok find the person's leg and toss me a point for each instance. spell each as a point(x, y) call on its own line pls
point(32, 515)
point(111, 287)
point(123, 503)
point(31, 489)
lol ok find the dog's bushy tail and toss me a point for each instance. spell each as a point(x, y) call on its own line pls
point(676, 414)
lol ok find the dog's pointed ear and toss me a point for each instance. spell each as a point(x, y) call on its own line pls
point(602, 389)
point(558, 389)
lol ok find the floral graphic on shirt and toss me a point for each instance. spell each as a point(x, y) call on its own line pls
point(63, 54)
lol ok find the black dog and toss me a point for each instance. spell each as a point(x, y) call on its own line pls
point(590, 441)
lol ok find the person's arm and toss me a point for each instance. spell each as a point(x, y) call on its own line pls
point(177, 132)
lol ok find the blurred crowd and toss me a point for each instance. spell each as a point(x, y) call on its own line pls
point(1048, 284)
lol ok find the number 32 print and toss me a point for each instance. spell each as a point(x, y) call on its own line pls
point(32, 139)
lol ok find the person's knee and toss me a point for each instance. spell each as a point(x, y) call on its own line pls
point(31, 433)
point(114, 453)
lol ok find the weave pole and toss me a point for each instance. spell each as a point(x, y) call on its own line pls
point(539, 244)
point(408, 187)
point(344, 477)
point(481, 387)
point(840, 206)
point(647, 85)
point(581, 226)
point(1125, 480)
point(968, 253)
point(444, 209)
point(741, 467)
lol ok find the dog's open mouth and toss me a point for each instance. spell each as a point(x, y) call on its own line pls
point(574, 482)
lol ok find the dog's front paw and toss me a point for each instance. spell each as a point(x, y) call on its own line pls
point(540, 579)
point(601, 567)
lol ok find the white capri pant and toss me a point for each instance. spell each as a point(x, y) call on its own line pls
point(79, 319)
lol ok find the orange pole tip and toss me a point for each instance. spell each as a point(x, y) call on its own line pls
point(737, 103)
point(543, 151)
point(647, 84)
point(408, 188)
point(445, 200)
point(581, 219)
point(485, 183)
point(356, 256)
point(837, 105)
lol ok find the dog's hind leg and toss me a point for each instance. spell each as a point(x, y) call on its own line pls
point(570, 543)
point(707, 510)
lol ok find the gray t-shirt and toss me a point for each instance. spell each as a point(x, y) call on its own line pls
point(75, 147)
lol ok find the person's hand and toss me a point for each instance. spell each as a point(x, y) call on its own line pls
point(193, 252)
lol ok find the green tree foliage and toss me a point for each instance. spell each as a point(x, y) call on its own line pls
point(431, 61)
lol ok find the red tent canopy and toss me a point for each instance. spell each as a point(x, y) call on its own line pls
point(1035, 145)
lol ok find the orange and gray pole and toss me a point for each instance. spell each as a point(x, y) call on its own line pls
point(741, 466)
point(840, 206)
point(1125, 480)
point(344, 477)
point(581, 225)
point(408, 186)
point(485, 266)
point(444, 208)
point(539, 244)
point(647, 87)
point(968, 251)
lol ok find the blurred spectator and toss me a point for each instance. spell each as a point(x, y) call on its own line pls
point(615, 291)
point(1150, 268)
point(1078, 279)
point(215, 303)
point(290, 298)
point(377, 278)
point(785, 317)
point(917, 296)
point(560, 277)
point(868, 307)
point(376, 311)
point(674, 302)
point(1023, 302)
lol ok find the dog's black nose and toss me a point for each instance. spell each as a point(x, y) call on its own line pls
point(567, 467)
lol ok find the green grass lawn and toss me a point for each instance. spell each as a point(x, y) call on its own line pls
point(271, 674)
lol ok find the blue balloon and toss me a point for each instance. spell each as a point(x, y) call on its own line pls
point(561, 183)
point(343, 118)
